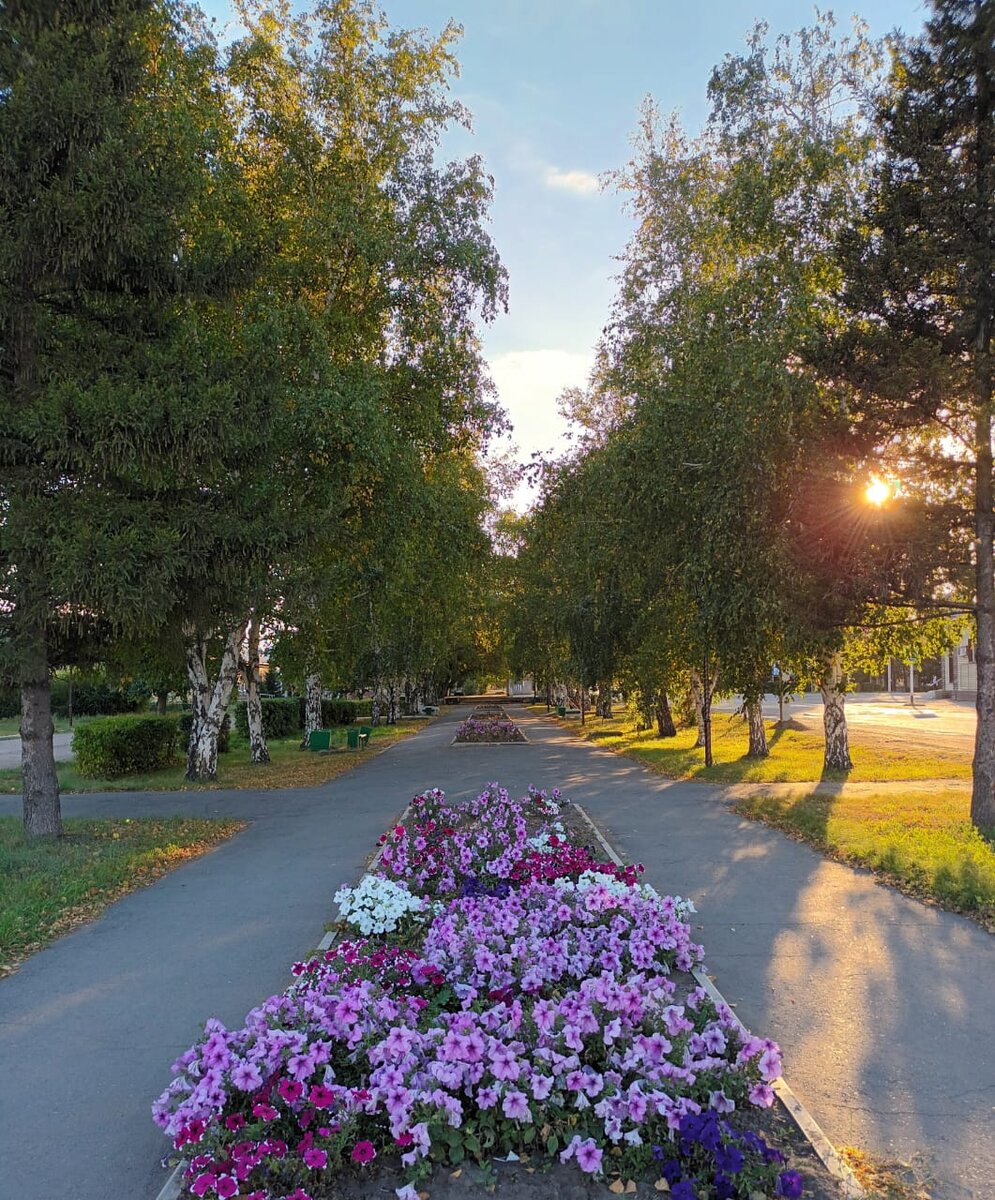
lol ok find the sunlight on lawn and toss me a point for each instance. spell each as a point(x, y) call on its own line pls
point(795, 755)
point(922, 840)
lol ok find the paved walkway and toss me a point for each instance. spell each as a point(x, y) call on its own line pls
point(883, 1006)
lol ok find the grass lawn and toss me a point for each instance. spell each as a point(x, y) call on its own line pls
point(291, 766)
point(48, 887)
point(922, 841)
point(795, 754)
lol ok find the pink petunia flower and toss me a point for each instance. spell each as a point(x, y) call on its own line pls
point(363, 1152)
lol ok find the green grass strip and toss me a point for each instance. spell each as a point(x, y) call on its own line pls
point(922, 841)
point(49, 886)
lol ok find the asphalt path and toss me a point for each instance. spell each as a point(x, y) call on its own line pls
point(882, 1005)
point(10, 750)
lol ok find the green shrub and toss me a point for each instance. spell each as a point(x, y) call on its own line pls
point(185, 724)
point(126, 745)
point(90, 699)
point(282, 718)
point(342, 712)
point(10, 702)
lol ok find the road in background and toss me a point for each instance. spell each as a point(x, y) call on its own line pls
point(940, 723)
point(10, 750)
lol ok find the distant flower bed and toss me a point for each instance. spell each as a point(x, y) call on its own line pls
point(527, 998)
point(488, 729)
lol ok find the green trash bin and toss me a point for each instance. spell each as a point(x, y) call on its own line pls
point(561, 710)
point(352, 738)
point(319, 739)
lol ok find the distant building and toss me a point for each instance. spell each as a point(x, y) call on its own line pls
point(960, 671)
point(520, 687)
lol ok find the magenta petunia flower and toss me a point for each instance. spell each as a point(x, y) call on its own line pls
point(315, 1158)
point(321, 1096)
point(226, 1186)
point(363, 1152)
point(290, 1090)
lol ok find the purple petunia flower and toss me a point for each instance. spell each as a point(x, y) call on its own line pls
point(516, 1106)
point(789, 1185)
point(762, 1095)
point(589, 1157)
point(246, 1077)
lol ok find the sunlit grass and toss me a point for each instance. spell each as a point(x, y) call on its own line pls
point(796, 755)
point(290, 766)
point(50, 886)
point(922, 840)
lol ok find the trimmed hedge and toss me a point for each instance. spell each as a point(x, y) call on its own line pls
point(342, 712)
point(282, 717)
point(185, 724)
point(129, 745)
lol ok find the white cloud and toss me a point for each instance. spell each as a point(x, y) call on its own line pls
point(581, 183)
point(528, 383)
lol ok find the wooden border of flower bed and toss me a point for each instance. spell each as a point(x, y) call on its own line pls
point(809, 1127)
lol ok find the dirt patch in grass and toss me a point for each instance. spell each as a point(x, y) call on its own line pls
point(50, 886)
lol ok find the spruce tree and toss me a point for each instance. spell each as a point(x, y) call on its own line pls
point(107, 129)
point(921, 286)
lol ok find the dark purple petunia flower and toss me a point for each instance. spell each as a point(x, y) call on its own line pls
point(789, 1185)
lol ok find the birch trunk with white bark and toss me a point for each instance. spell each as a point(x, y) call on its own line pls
point(837, 756)
point(210, 702)
point(697, 701)
point(312, 706)
point(258, 750)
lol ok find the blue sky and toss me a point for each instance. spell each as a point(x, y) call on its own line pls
point(554, 87)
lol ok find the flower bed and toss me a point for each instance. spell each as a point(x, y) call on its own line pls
point(510, 994)
point(488, 729)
